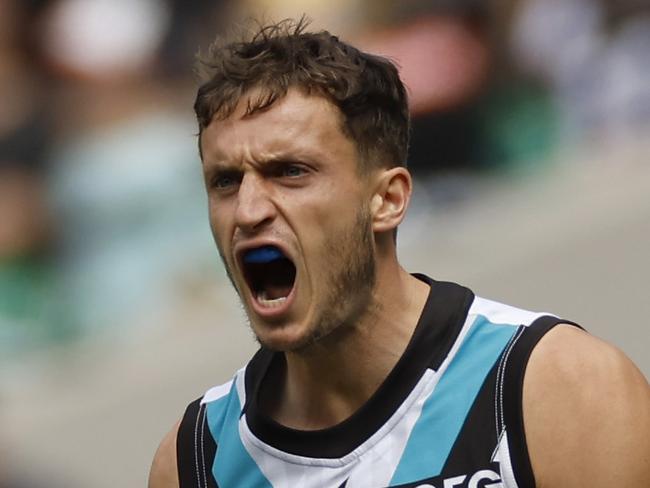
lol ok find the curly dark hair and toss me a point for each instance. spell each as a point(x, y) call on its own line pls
point(366, 88)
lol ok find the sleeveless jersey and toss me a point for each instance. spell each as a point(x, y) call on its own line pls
point(448, 415)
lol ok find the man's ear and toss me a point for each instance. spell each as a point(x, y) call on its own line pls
point(391, 198)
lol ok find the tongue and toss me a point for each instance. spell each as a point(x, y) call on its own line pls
point(273, 291)
point(278, 280)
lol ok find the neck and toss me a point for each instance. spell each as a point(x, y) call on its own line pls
point(327, 382)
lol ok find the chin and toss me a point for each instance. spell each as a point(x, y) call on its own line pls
point(283, 338)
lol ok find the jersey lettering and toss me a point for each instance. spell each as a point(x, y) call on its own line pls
point(477, 480)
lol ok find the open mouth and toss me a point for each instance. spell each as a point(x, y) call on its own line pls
point(270, 275)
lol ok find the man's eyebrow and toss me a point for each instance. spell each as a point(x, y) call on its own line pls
point(287, 158)
point(268, 162)
point(220, 165)
point(214, 169)
point(281, 159)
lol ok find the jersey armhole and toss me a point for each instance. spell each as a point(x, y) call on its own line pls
point(512, 395)
point(195, 448)
point(186, 452)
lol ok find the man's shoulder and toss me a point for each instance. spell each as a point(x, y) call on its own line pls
point(168, 463)
point(164, 471)
point(586, 412)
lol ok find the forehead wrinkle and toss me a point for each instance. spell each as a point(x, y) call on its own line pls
point(295, 126)
point(306, 126)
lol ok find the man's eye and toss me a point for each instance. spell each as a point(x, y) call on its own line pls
point(292, 171)
point(224, 181)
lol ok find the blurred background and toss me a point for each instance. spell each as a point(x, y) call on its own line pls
point(530, 153)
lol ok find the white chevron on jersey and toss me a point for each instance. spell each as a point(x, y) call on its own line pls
point(502, 456)
point(500, 313)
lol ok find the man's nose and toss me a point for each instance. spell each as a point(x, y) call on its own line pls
point(255, 209)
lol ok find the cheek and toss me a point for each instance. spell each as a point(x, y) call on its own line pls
point(218, 216)
point(218, 226)
point(327, 237)
point(215, 225)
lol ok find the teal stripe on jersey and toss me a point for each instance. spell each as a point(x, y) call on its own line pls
point(444, 412)
point(233, 465)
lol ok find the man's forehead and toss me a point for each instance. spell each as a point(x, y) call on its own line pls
point(291, 120)
point(296, 104)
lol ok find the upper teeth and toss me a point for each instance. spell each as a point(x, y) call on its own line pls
point(269, 302)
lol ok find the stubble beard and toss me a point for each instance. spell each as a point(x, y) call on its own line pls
point(350, 281)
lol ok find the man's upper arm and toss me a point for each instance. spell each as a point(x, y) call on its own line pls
point(164, 472)
point(586, 414)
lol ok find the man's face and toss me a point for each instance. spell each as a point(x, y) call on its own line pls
point(289, 213)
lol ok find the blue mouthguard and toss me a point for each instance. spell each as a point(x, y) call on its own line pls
point(263, 255)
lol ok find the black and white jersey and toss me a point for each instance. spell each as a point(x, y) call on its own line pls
point(448, 415)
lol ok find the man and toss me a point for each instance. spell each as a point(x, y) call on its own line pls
point(368, 376)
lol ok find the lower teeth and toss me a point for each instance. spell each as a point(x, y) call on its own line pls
point(269, 303)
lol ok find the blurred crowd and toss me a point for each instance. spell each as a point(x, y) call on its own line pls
point(102, 218)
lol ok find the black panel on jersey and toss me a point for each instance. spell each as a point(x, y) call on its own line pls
point(513, 396)
point(256, 370)
point(195, 449)
point(441, 320)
